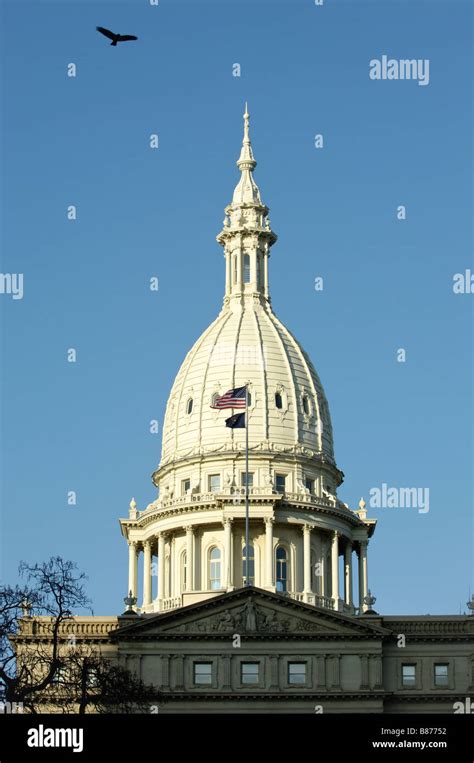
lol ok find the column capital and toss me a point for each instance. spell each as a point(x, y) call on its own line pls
point(269, 520)
point(189, 529)
point(227, 521)
point(146, 543)
point(307, 527)
point(132, 543)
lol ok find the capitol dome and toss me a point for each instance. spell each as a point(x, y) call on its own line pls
point(254, 504)
point(247, 344)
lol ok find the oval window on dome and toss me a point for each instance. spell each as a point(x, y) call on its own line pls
point(189, 406)
point(278, 400)
point(306, 405)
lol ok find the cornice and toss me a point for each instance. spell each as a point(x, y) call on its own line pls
point(283, 695)
point(275, 502)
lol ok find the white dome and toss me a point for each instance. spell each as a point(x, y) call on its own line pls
point(247, 344)
point(219, 505)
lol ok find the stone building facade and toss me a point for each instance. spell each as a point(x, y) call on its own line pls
point(252, 650)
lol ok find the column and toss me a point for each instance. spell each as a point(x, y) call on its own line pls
point(174, 567)
point(348, 573)
point(269, 552)
point(321, 672)
point(178, 665)
point(274, 661)
point(228, 272)
point(146, 573)
point(363, 587)
point(364, 670)
point(132, 567)
point(335, 569)
point(161, 566)
point(226, 675)
point(165, 671)
point(265, 262)
point(377, 671)
point(336, 672)
point(189, 558)
point(307, 558)
point(253, 265)
point(227, 552)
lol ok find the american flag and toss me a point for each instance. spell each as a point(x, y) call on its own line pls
point(234, 398)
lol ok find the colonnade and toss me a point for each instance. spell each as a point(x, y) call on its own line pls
point(337, 544)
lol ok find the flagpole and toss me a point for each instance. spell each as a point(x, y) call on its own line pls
point(246, 487)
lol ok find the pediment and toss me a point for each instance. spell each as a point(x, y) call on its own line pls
point(250, 611)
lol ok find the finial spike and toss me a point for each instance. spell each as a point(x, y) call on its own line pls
point(246, 140)
point(246, 159)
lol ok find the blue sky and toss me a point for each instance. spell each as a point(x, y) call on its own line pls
point(143, 213)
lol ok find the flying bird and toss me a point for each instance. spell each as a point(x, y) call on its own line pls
point(115, 37)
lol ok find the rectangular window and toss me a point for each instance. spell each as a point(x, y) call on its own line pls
point(280, 483)
point(243, 479)
point(61, 675)
point(441, 674)
point(93, 678)
point(246, 268)
point(214, 483)
point(249, 672)
point(185, 486)
point(309, 485)
point(408, 675)
point(203, 673)
point(296, 673)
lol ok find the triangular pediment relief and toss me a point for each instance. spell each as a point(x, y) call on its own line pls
point(250, 617)
point(249, 611)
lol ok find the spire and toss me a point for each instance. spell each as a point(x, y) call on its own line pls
point(246, 160)
point(246, 190)
point(246, 236)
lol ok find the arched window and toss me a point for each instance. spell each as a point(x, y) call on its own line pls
point(246, 268)
point(306, 405)
point(189, 406)
point(215, 568)
point(250, 576)
point(278, 400)
point(281, 570)
point(184, 570)
point(249, 398)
